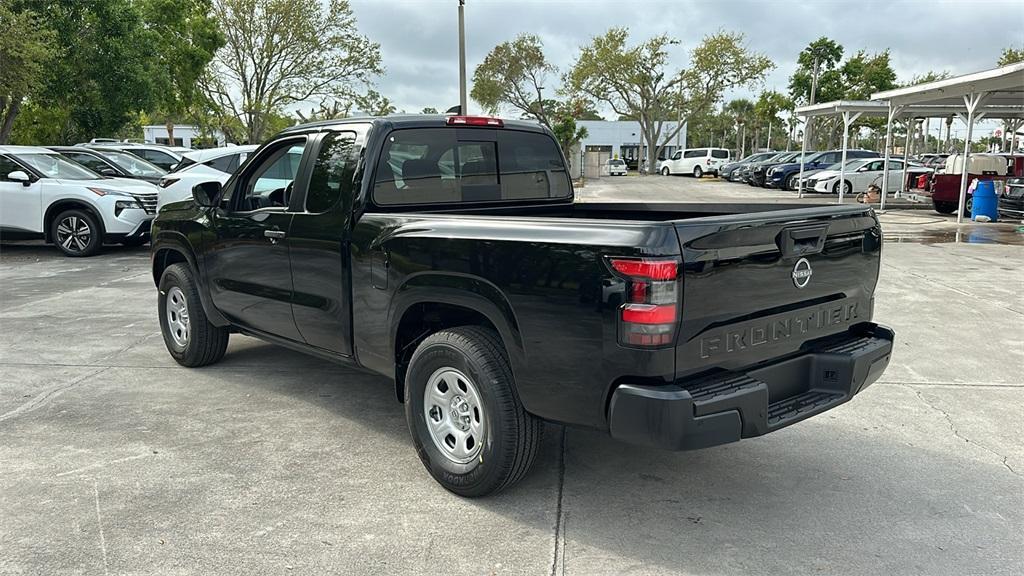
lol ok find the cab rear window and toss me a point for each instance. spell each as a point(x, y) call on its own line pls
point(448, 166)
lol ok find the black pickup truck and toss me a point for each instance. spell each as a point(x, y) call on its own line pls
point(447, 254)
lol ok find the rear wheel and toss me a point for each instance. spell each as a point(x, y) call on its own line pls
point(944, 207)
point(469, 428)
point(77, 233)
point(792, 182)
point(664, 171)
point(698, 172)
point(189, 336)
point(969, 206)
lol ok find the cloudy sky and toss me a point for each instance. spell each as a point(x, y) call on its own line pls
point(419, 40)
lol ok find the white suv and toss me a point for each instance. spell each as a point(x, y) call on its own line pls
point(44, 195)
point(201, 166)
point(696, 161)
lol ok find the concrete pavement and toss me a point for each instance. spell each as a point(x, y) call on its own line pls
point(114, 460)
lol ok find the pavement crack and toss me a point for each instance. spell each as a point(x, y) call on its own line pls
point(44, 397)
point(1003, 459)
point(99, 522)
point(559, 553)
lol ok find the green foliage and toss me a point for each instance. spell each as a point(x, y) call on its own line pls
point(373, 103)
point(635, 82)
point(26, 48)
point(930, 76)
point(38, 124)
point(513, 74)
point(186, 38)
point(1011, 55)
point(429, 110)
point(283, 52)
point(864, 74)
point(827, 53)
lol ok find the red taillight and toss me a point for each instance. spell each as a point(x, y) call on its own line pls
point(475, 121)
point(651, 268)
point(651, 311)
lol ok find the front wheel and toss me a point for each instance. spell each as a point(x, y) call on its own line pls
point(944, 207)
point(698, 172)
point(77, 233)
point(189, 336)
point(469, 428)
point(792, 182)
point(664, 171)
point(847, 187)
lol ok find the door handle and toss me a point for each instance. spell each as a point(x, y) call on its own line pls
point(274, 235)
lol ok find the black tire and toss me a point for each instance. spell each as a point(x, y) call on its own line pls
point(205, 343)
point(77, 233)
point(847, 188)
point(665, 171)
point(944, 207)
point(792, 183)
point(511, 436)
point(698, 172)
point(968, 206)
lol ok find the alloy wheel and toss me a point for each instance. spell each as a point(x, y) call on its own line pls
point(74, 234)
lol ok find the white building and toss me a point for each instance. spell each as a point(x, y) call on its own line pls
point(619, 139)
point(184, 135)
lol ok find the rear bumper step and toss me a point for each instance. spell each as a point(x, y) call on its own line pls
point(727, 407)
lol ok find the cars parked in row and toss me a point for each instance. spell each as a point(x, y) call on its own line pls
point(1011, 201)
point(45, 195)
point(695, 161)
point(733, 170)
point(786, 176)
point(755, 173)
point(861, 173)
point(213, 164)
point(112, 162)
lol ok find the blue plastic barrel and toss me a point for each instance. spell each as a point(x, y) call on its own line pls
point(985, 200)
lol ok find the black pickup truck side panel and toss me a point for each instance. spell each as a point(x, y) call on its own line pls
point(542, 283)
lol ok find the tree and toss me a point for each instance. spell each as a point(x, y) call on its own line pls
point(742, 112)
point(187, 37)
point(513, 74)
point(103, 68)
point(1011, 55)
point(283, 52)
point(373, 103)
point(26, 47)
point(821, 56)
point(766, 111)
point(633, 80)
point(429, 110)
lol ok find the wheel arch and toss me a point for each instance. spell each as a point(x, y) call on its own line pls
point(55, 208)
point(170, 248)
point(431, 302)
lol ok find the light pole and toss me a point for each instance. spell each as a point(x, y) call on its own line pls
point(462, 58)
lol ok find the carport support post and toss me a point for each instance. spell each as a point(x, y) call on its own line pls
point(971, 102)
point(893, 112)
point(906, 157)
point(848, 118)
point(803, 151)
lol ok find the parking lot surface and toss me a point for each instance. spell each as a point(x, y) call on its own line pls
point(114, 460)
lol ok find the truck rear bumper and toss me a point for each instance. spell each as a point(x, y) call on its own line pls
point(727, 407)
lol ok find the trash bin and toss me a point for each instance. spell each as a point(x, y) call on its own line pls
point(986, 202)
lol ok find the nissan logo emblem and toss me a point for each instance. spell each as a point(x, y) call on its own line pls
point(802, 273)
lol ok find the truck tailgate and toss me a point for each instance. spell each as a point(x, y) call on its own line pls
point(758, 286)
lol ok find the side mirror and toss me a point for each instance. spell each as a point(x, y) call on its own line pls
point(20, 176)
point(108, 171)
point(207, 194)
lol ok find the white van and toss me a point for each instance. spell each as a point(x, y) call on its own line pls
point(696, 161)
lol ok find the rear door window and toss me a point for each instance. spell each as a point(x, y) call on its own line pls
point(443, 165)
point(719, 153)
point(226, 164)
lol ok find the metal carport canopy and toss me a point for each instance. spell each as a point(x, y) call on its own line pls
point(971, 93)
point(850, 110)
